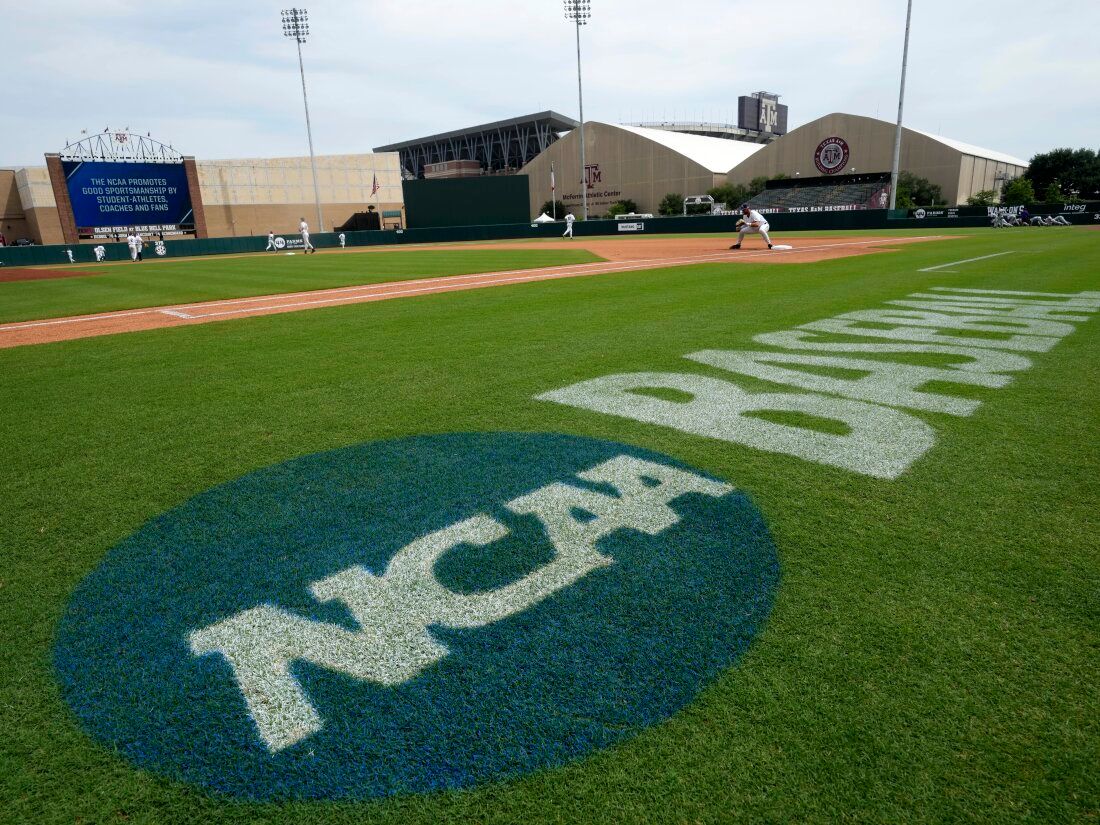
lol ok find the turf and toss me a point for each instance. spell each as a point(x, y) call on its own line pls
point(159, 283)
point(933, 651)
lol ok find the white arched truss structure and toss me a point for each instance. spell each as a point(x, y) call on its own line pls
point(120, 146)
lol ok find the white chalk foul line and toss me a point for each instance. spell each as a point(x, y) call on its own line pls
point(185, 311)
point(454, 283)
point(967, 261)
point(55, 321)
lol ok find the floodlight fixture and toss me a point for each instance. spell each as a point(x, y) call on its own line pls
point(579, 12)
point(296, 26)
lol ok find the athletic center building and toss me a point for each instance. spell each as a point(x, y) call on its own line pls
point(847, 145)
point(645, 164)
point(632, 163)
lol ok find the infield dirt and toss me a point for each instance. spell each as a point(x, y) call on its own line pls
point(620, 255)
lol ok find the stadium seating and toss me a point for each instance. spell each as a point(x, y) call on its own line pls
point(795, 196)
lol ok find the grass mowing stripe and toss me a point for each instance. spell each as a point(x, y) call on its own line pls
point(932, 652)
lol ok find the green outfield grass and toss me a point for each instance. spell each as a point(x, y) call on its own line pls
point(932, 654)
point(159, 283)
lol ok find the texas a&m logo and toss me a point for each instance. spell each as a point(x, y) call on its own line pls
point(831, 155)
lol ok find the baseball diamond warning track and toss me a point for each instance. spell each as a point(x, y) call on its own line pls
point(619, 256)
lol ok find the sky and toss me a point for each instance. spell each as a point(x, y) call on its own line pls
point(218, 79)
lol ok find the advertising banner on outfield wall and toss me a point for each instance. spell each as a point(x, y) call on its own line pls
point(1089, 210)
point(109, 197)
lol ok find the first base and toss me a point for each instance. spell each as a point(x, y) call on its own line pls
point(782, 246)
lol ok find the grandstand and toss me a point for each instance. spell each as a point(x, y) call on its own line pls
point(824, 194)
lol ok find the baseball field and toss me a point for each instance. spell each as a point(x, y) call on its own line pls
point(623, 530)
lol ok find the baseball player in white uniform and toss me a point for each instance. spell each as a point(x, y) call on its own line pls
point(307, 247)
point(139, 245)
point(343, 240)
point(271, 242)
point(100, 252)
point(569, 218)
point(131, 242)
point(69, 252)
point(752, 222)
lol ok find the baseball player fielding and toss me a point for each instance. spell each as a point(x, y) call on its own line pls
point(751, 221)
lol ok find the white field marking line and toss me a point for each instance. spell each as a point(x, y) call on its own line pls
point(532, 276)
point(597, 268)
point(382, 285)
point(76, 320)
point(529, 278)
point(177, 309)
point(967, 261)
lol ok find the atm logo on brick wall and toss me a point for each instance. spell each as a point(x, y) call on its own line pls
point(415, 615)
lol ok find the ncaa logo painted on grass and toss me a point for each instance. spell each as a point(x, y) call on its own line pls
point(414, 615)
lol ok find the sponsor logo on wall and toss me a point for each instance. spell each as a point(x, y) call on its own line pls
point(831, 155)
point(949, 212)
point(293, 242)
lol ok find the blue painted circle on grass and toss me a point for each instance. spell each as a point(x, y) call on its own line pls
point(620, 649)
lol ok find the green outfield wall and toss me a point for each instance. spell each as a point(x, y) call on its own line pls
point(962, 217)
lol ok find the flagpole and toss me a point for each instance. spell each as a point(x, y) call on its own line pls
point(553, 201)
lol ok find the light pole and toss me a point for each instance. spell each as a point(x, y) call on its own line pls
point(296, 25)
point(901, 103)
point(579, 11)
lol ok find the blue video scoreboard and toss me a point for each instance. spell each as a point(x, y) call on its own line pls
point(109, 197)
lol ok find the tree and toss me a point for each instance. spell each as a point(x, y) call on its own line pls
point(671, 204)
point(983, 198)
point(1018, 191)
point(1053, 192)
point(731, 195)
point(914, 191)
point(1072, 170)
point(549, 209)
point(622, 207)
point(757, 185)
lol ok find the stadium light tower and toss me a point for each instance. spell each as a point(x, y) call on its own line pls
point(579, 11)
point(296, 25)
point(901, 103)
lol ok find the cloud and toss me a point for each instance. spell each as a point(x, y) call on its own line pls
point(219, 79)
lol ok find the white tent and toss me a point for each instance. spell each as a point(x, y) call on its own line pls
point(543, 218)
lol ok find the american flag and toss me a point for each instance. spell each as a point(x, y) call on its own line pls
point(553, 187)
point(374, 187)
